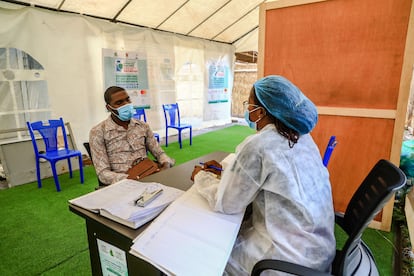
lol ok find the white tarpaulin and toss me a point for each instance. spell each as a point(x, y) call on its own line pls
point(229, 21)
point(69, 49)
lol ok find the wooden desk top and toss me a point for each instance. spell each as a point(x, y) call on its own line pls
point(178, 177)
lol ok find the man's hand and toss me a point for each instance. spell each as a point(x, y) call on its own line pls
point(165, 165)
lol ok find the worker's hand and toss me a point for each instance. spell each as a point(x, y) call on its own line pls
point(213, 166)
point(195, 171)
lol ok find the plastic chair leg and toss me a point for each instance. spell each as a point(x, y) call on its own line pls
point(191, 136)
point(81, 169)
point(179, 139)
point(55, 176)
point(166, 137)
point(39, 180)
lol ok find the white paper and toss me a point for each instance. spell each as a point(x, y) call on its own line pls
point(188, 238)
point(108, 195)
point(127, 209)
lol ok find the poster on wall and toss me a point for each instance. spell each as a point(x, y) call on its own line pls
point(218, 83)
point(128, 70)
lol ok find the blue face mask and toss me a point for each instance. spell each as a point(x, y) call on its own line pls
point(125, 112)
point(247, 118)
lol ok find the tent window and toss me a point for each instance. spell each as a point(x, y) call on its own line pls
point(189, 87)
point(189, 82)
point(21, 60)
point(23, 92)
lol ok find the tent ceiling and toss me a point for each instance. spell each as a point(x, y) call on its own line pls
point(226, 21)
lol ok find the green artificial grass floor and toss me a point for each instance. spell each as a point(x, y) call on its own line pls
point(40, 236)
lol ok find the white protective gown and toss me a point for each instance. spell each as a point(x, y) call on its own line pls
point(293, 216)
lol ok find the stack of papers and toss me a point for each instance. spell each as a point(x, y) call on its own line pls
point(188, 238)
point(118, 202)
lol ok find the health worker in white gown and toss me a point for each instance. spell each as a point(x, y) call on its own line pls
point(278, 172)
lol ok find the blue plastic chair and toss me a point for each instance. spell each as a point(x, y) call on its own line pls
point(140, 115)
point(172, 120)
point(49, 131)
point(329, 149)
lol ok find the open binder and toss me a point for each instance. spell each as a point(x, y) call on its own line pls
point(118, 201)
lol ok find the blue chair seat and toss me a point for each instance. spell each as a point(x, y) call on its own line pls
point(49, 133)
point(59, 154)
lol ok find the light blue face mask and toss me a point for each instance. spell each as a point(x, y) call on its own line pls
point(125, 112)
point(251, 124)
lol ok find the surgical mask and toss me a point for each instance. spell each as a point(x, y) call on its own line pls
point(251, 124)
point(125, 112)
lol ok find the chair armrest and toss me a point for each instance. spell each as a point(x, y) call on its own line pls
point(284, 266)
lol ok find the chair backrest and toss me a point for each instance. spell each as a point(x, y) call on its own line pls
point(371, 196)
point(171, 114)
point(88, 149)
point(329, 149)
point(49, 132)
point(140, 114)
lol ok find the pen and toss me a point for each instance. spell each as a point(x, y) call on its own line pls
point(137, 200)
point(212, 167)
point(147, 196)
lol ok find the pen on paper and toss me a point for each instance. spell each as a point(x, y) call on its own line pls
point(147, 196)
point(212, 167)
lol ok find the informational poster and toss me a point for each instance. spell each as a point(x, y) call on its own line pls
point(218, 83)
point(129, 71)
point(113, 259)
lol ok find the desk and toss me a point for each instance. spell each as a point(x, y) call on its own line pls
point(121, 236)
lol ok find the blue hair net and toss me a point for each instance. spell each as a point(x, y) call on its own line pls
point(286, 102)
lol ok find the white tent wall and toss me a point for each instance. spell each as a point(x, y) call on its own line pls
point(69, 47)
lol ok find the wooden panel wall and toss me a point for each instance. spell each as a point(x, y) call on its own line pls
point(356, 153)
point(350, 58)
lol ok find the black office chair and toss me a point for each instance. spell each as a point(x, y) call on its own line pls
point(355, 258)
point(88, 149)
